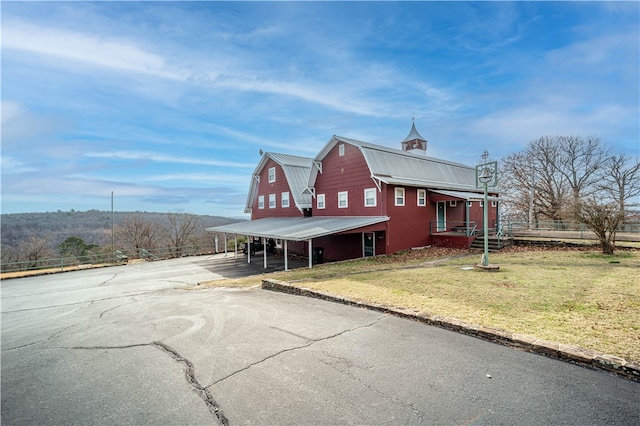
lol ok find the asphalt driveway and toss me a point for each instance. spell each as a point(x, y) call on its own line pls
point(136, 345)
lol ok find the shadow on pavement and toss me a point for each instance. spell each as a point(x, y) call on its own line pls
point(229, 267)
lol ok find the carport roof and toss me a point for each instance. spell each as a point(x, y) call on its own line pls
point(298, 228)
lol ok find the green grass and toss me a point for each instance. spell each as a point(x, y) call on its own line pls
point(581, 298)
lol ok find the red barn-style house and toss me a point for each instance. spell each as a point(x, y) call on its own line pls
point(357, 199)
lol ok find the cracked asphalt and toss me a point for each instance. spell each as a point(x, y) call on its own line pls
point(136, 345)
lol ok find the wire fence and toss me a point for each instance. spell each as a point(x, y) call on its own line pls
point(629, 231)
point(559, 225)
point(111, 258)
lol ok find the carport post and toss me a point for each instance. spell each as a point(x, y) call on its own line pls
point(264, 250)
point(286, 260)
point(310, 253)
point(249, 245)
point(235, 250)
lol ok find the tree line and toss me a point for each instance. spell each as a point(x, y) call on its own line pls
point(571, 178)
point(30, 237)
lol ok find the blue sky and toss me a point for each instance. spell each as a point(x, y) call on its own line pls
point(167, 104)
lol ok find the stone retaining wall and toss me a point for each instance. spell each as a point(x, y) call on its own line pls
point(574, 354)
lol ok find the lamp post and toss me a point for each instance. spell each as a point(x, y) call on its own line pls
point(486, 175)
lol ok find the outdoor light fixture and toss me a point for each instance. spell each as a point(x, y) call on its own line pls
point(486, 175)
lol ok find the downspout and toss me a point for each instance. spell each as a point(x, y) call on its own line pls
point(466, 216)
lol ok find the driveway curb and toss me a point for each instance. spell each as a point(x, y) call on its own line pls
point(569, 353)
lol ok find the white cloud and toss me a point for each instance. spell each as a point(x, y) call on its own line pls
point(87, 48)
point(19, 124)
point(203, 178)
point(11, 165)
point(165, 158)
point(598, 54)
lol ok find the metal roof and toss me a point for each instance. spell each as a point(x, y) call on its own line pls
point(468, 196)
point(298, 228)
point(413, 134)
point(397, 167)
point(296, 170)
point(290, 160)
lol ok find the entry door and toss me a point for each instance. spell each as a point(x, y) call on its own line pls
point(441, 207)
point(369, 244)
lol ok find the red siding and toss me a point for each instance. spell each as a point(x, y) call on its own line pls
point(345, 173)
point(408, 224)
point(278, 187)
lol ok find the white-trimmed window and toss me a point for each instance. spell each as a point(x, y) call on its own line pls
point(320, 201)
point(469, 203)
point(494, 204)
point(422, 197)
point(370, 199)
point(399, 196)
point(343, 199)
point(285, 199)
point(272, 174)
point(272, 201)
point(261, 201)
point(341, 149)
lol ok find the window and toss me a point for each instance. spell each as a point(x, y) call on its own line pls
point(453, 203)
point(272, 174)
point(399, 196)
point(469, 203)
point(370, 197)
point(494, 204)
point(481, 203)
point(285, 199)
point(343, 199)
point(422, 197)
point(261, 202)
point(320, 201)
point(272, 201)
point(341, 150)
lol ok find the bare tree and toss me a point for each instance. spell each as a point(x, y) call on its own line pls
point(136, 233)
point(9, 255)
point(532, 179)
point(35, 249)
point(580, 161)
point(621, 180)
point(550, 177)
point(182, 230)
point(603, 218)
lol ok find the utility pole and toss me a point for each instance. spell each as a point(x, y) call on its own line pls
point(113, 251)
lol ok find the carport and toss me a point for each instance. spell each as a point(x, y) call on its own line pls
point(293, 229)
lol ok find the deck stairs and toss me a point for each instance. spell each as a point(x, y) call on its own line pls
point(495, 243)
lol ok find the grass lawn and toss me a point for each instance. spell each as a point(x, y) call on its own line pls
point(580, 298)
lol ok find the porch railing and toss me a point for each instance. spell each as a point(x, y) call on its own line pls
point(464, 229)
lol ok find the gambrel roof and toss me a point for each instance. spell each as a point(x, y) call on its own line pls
point(296, 170)
point(396, 167)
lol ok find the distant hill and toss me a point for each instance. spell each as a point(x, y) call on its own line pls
point(93, 226)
